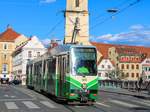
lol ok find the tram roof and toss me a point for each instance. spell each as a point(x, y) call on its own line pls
point(61, 49)
point(65, 48)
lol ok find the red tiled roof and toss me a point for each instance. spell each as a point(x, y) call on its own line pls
point(9, 35)
point(103, 49)
point(127, 50)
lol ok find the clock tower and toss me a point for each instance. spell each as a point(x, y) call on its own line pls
point(77, 22)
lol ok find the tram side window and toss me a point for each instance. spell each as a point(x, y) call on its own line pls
point(44, 67)
point(68, 64)
point(35, 69)
point(64, 65)
point(52, 66)
point(27, 70)
point(40, 68)
point(31, 69)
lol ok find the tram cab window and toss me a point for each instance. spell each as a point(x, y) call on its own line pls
point(84, 61)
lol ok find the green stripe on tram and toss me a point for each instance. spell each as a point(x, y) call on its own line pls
point(73, 81)
point(92, 83)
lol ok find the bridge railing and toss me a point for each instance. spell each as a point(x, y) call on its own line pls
point(124, 84)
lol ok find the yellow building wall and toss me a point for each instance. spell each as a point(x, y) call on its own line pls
point(7, 52)
point(130, 70)
point(112, 54)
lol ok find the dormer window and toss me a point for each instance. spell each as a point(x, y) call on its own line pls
point(77, 3)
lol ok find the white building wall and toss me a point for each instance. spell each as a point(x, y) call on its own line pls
point(104, 68)
point(145, 71)
point(20, 60)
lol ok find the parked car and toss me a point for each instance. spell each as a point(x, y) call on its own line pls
point(4, 80)
point(15, 82)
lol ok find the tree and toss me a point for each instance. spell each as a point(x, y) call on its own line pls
point(117, 74)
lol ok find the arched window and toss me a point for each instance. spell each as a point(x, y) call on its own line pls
point(137, 66)
point(137, 75)
point(132, 66)
point(132, 74)
point(127, 75)
point(77, 3)
point(127, 66)
point(122, 66)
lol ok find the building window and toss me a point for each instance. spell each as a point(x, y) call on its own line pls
point(29, 54)
point(99, 74)
point(132, 74)
point(5, 56)
point(127, 66)
point(109, 67)
point(122, 66)
point(117, 58)
point(5, 46)
point(127, 58)
point(146, 68)
point(77, 3)
point(5, 67)
point(137, 66)
point(127, 74)
point(38, 54)
point(110, 52)
point(132, 66)
point(137, 75)
point(123, 75)
point(106, 74)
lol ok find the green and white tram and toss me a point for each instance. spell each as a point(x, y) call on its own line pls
point(67, 71)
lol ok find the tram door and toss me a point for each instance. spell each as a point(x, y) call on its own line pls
point(62, 75)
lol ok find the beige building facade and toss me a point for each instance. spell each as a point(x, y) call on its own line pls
point(9, 39)
point(77, 10)
point(127, 62)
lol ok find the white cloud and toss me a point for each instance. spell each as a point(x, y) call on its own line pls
point(107, 36)
point(139, 35)
point(137, 27)
point(47, 1)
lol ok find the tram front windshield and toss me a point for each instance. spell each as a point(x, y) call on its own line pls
point(84, 61)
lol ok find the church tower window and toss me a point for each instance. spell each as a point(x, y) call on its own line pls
point(77, 3)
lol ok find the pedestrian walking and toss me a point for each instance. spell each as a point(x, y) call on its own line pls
point(140, 82)
point(148, 87)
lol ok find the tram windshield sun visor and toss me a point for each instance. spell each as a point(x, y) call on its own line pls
point(84, 61)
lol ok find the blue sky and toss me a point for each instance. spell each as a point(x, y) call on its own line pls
point(38, 17)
